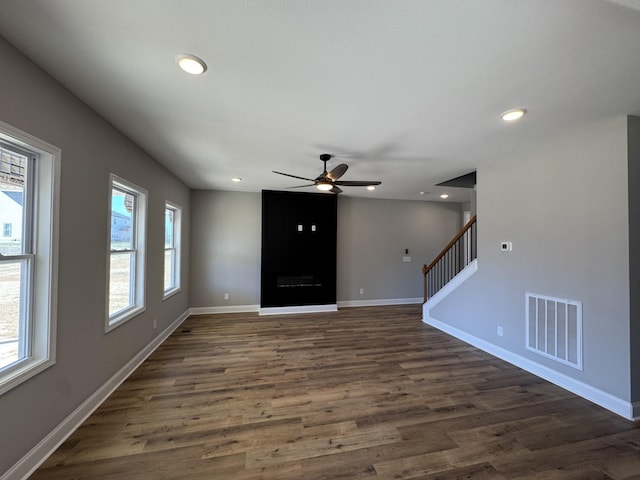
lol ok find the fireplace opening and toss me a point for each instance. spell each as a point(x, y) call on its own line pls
point(297, 281)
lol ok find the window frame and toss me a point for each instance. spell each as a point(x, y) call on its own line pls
point(175, 248)
point(39, 257)
point(137, 290)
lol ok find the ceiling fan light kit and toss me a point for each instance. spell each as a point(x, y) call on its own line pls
point(330, 181)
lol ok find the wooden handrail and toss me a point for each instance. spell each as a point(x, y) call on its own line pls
point(427, 268)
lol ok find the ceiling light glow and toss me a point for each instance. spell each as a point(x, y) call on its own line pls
point(191, 64)
point(325, 187)
point(515, 114)
point(444, 195)
point(371, 187)
point(236, 179)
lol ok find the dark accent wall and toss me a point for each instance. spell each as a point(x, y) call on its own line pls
point(298, 249)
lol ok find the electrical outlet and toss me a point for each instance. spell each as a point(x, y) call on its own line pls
point(226, 296)
point(500, 331)
point(362, 291)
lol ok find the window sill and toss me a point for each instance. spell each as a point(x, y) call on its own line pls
point(171, 293)
point(123, 317)
point(14, 375)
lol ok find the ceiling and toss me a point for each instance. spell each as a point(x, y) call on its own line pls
point(407, 92)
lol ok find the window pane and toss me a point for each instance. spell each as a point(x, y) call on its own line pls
point(121, 270)
point(13, 175)
point(122, 208)
point(11, 276)
point(168, 269)
point(168, 227)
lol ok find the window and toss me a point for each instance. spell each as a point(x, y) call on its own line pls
point(29, 178)
point(127, 222)
point(172, 227)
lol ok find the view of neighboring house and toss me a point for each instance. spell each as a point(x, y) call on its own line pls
point(120, 220)
point(11, 215)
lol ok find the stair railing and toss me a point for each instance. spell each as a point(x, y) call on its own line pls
point(458, 253)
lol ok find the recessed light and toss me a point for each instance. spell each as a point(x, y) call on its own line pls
point(191, 64)
point(371, 187)
point(444, 195)
point(514, 114)
point(325, 187)
point(236, 179)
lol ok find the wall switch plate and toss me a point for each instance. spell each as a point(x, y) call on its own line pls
point(506, 246)
point(406, 259)
point(500, 331)
point(226, 296)
point(155, 323)
point(362, 291)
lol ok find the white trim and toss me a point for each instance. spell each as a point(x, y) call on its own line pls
point(225, 309)
point(595, 395)
point(139, 228)
point(177, 249)
point(46, 209)
point(379, 302)
point(298, 309)
point(454, 283)
point(303, 309)
point(38, 454)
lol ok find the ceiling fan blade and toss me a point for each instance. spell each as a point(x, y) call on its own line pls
point(301, 186)
point(294, 176)
point(337, 172)
point(357, 183)
point(335, 189)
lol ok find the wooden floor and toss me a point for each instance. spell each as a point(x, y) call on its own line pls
point(360, 393)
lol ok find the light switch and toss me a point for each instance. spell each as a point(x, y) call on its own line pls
point(406, 259)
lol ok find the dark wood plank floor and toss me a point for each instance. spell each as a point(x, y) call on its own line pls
point(361, 393)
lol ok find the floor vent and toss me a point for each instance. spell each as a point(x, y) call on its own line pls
point(554, 328)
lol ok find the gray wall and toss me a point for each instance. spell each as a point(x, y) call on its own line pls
point(91, 149)
point(565, 208)
point(372, 236)
point(225, 244)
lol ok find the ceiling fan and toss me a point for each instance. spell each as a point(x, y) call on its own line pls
point(329, 181)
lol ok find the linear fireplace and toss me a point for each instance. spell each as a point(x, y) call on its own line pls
point(297, 281)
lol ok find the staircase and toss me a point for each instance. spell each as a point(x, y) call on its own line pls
point(453, 258)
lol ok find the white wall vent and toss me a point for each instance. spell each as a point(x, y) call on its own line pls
point(554, 328)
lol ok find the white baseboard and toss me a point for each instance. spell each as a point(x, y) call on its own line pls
point(303, 308)
point(225, 309)
point(610, 402)
point(38, 454)
point(595, 395)
point(379, 302)
point(299, 309)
